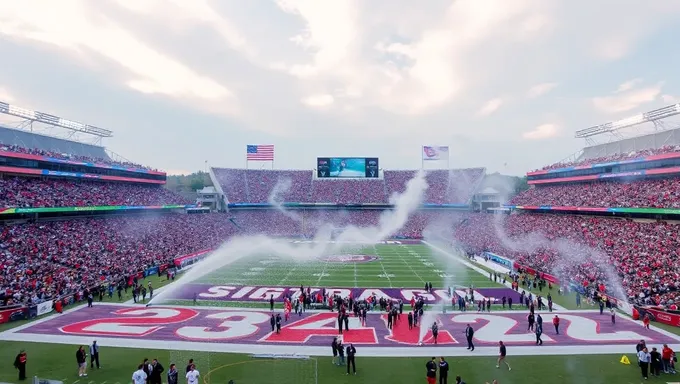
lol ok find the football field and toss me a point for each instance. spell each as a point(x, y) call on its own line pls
point(392, 267)
point(381, 265)
point(222, 319)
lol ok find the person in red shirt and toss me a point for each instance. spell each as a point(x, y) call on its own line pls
point(645, 321)
point(556, 324)
point(666, 356)
point(20, 364)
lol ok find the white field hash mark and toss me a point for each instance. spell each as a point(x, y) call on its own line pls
point(410, 267)
point(325, 266)
point(383, 268)
point(356, 281)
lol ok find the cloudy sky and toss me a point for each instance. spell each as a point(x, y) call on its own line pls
point(505, 83)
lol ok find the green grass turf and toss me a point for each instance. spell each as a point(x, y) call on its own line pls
point(58, 362)
point(398, 266)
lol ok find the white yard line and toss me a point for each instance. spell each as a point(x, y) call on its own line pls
point(410, 267)
point(325, 265)
point(383, 268)
point(290, 272)
point(356, 280)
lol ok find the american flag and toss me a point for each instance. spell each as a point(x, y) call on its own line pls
point(260, 152)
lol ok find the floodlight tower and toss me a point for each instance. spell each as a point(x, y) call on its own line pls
point(654, 117)
point(29, 117)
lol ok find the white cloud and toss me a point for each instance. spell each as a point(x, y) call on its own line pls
point(194, 13)
point(490, 107)
point(628, 100)
point(544, 131)
point(69, 26)
point(322, 100)
point(404, 71)
point(5, 95)
point(611, 49)
point(410, 77)
point(540, 89)
point(628, 85)
point(669, 99)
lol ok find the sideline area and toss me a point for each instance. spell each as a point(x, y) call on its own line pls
point(479, 270)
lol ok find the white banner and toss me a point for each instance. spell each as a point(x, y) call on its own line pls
point(44, 307)
point(433, 152)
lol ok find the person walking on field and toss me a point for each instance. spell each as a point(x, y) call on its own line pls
point(20, 364)
point(94, 354)
point(351, 351)
point(81, 359)
point(501, 356)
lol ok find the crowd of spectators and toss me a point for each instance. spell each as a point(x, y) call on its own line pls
point(24, 192)
point(454, 186)
point(43, 260)
point(66, 156)
point(587, 251)
point(615, 157)
point(647, 193)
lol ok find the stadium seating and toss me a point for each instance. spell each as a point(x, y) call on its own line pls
point(654, 193)
point(64, 156)
point(617, 157)
point(233, 184)
point(44, 260)
point(454, 186)
point(256, 186)
point(585, 250)
point(35, 193)
point(282, 186)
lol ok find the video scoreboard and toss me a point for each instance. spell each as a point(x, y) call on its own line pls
point(347, 167)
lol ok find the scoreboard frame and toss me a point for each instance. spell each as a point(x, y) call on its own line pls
point(324, 167)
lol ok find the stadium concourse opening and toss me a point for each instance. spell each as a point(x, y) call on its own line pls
point(99, 237)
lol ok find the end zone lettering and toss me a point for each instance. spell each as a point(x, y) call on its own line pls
point(264, 294)
point(177, 325)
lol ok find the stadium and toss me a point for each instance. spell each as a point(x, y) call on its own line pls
point(99, 249)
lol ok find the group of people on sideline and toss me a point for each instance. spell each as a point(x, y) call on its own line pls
point(654, 362)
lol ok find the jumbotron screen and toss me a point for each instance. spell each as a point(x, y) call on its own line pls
point(347, 167)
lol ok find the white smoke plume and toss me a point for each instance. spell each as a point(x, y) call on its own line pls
point(239, 247)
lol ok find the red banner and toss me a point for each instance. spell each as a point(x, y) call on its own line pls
point(534, 272)
point(6, 314)
point(660, 316)
point(186, 258)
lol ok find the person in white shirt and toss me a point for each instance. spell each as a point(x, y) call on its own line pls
point(139, 376)
point(192, 375)
point(643, 358)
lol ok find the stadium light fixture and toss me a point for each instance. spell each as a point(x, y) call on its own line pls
point(52, 120)
point(650, 116)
